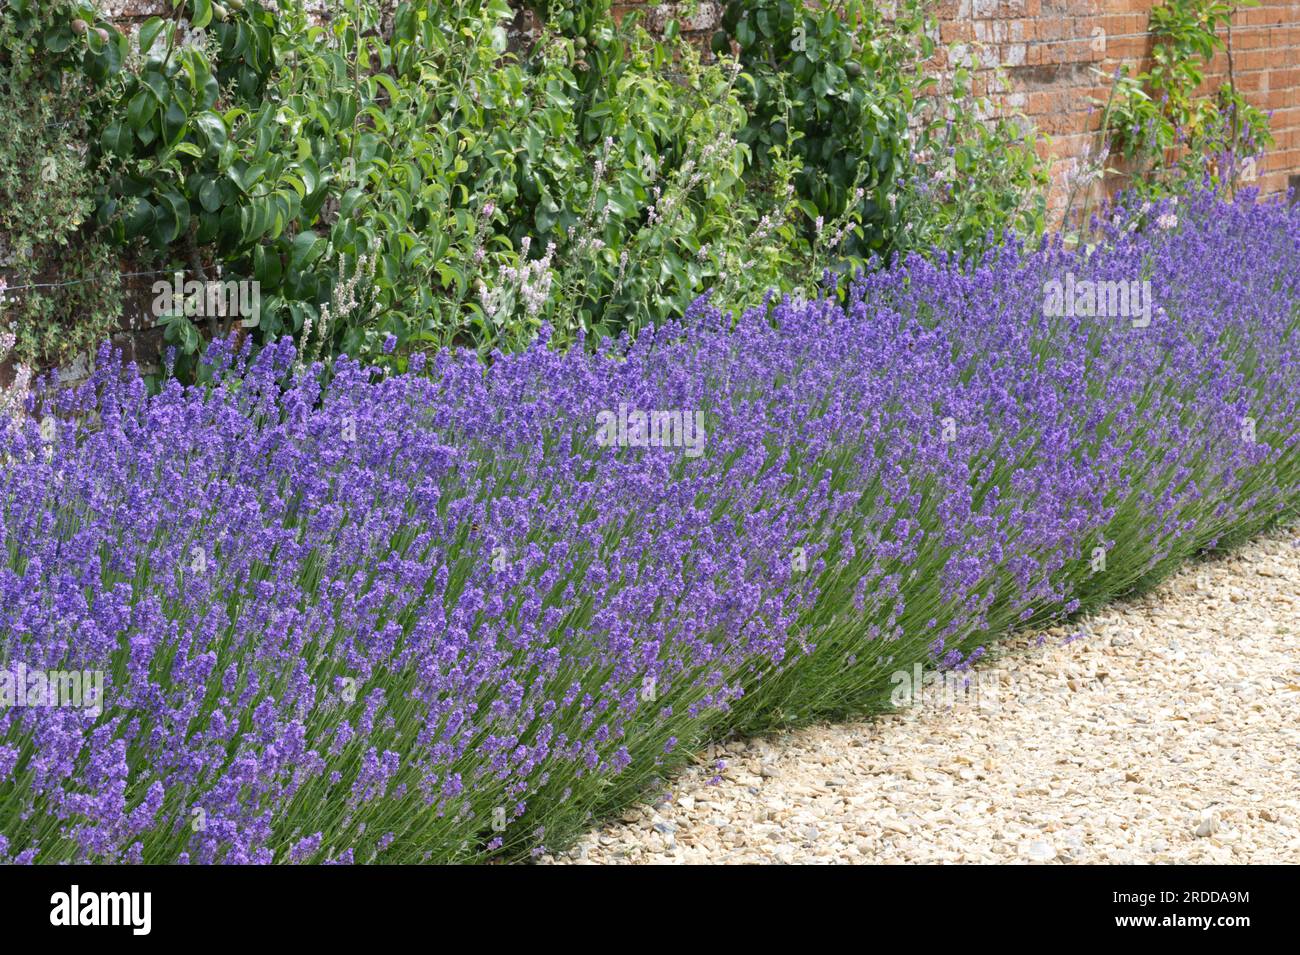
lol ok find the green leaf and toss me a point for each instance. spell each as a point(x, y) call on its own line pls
point(149, 32)
point(139, 218)
point(156, 83)
point(174, 121)
point(213, 128)
point(200, 14)
point(267, 268)
point(173, 223)
point(745, 34)
point(182, 333)
point(141, 109)
point(307, 247)
point(210, 195)
point(59, 38)
point(116, 138)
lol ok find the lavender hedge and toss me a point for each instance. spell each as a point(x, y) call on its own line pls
point(452, 614)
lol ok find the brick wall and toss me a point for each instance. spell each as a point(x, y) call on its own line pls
point(1051, 50)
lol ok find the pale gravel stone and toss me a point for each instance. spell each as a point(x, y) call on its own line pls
point(1167, 734)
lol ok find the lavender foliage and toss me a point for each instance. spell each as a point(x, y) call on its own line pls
point(454, 613)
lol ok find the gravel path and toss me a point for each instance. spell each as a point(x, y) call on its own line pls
point(1169, 733)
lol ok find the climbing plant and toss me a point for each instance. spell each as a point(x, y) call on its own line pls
point(1163, 120)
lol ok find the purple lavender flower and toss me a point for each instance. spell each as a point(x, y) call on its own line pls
point(432, 614)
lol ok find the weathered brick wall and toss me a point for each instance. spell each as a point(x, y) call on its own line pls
point(1059, 55)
